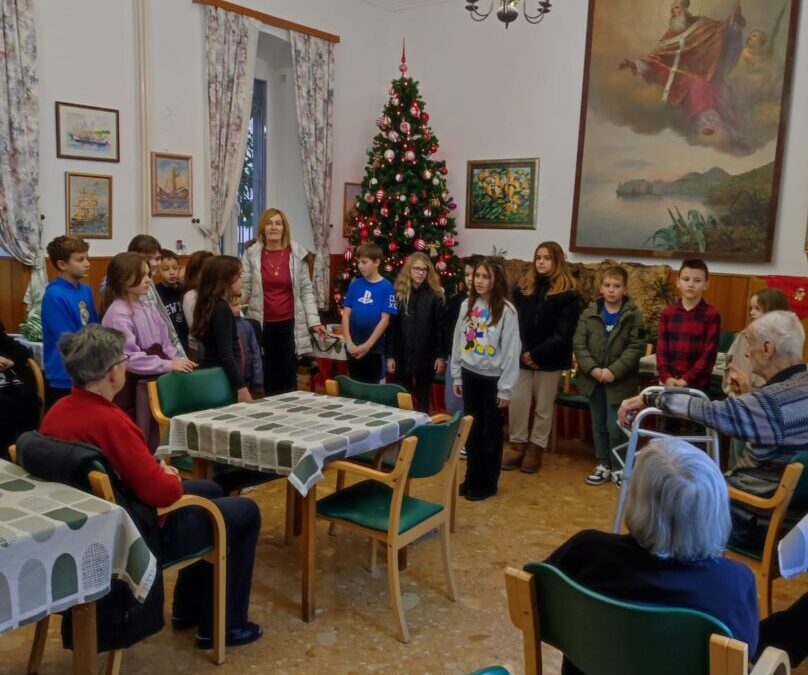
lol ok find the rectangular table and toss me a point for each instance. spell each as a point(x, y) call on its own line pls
point(61, 548)
point(295, 435)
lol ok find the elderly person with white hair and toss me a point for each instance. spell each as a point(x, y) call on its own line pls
point(678, 520)
point(772, 419)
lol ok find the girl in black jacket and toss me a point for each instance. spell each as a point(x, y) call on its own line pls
point(548, 306)
point(416, 337)
point(214, 324)
point(18, 398)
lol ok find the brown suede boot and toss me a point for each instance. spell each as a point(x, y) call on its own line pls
point(512, 459)
point(532, 461)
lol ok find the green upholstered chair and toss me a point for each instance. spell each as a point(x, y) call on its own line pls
point(381, 508)
point(568, 399)
point(603, 636)
point(99, 484)
point(491, 670)
point(791, 494)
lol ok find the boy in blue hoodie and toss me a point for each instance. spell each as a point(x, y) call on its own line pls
point(67, 306)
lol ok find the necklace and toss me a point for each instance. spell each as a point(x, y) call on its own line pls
point(274, 268)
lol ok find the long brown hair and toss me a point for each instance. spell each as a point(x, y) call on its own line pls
point(771, 299)
point(218, 275)
point(499, 292)
point(560, 277)
point(270, 213)
point(124, 271)
point(194, 268)
point(404, 278)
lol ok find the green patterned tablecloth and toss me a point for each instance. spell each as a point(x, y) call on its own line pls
point(292, 434)
point(60, 547)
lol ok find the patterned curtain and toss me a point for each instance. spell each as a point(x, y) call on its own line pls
point(313, 60)
point(20, 225)
point(232, 44)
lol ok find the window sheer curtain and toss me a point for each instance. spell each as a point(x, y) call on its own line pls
point(232, 45)
point(313, 62)
point(20, 224)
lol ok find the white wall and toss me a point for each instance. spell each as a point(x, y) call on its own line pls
point(87, 54)
point(494, 93)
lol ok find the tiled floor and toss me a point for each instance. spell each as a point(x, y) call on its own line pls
point(353, 633)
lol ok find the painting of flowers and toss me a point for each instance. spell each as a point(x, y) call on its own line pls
point(501, 193)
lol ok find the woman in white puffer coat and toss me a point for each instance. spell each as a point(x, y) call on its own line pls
point(279, 294)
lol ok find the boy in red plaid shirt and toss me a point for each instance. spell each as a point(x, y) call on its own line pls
point(687, 344)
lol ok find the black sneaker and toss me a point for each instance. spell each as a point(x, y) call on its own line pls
point(236, 637)
point(600, 475)
point(480, 495)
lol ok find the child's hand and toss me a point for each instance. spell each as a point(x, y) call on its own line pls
point(320, 330)
point(182, 365)
point(670, 382)
point(353, 350)
point(5, 363)
point(458, 390)
point(502, 402)
point(440, 366)
point(680, 383)
point(361, 350)
point(527, 359)
point(391, 365)
point(243, 395)
point(606, 375)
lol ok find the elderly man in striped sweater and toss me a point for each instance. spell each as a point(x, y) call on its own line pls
point(773, 419)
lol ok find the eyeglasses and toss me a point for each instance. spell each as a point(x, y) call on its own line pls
point(422, 270)
point(121, 360)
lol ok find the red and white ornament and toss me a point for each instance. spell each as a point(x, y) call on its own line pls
point(395, 101)
point(440, 265)
point(427, 174)
point(405, 127)
point(413, 199)
point(415, 109)
point(377, 232)
point(442, 221)
point(388, 267)
point(399, 178)
point(409, 156)
point(346, 275)
point(384, 211)
point(427, 213)
point(424, 117)
point(419, 244)
point(444, 171)
point(393, 136)
point(392, 246)
point(369, 197)
point(409, 233)
point(448, 239)
point(433, 148)
point(389, 155)
point(380, 194)
point(374, 181)
point(348, 254)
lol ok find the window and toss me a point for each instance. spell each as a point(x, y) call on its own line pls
point(252, 188)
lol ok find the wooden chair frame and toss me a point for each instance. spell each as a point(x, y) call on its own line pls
point(394, 541)
point(102, 488)
point(727, 656)
point(767, 569)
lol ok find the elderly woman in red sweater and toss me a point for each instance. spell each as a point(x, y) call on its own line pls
point(94, 359)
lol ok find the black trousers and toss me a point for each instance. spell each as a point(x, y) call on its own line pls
point(53, 394)
point(280, 360)
point(367, 369)
point(20, 405)
point(188, 531)
point(788, 630)
point(419, 385)
point(484, 444)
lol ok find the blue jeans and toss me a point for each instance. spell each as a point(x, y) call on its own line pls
point(605, 430)
point(452, 402)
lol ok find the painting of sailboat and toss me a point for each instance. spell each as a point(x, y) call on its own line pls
point(172, 185)
point(88, 205)
point(87, 132)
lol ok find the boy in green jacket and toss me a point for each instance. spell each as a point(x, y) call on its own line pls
point(608, 345)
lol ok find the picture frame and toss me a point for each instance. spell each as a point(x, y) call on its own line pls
point(672, 165)
point(87, 132)
point(88, 205)
point(502, 193)
point(351, 192)
point(171, 184)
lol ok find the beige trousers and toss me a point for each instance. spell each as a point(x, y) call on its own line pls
point(533, 385)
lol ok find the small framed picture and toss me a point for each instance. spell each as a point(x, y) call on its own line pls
point(501, 194)
point(87, 132)
point(171, 185)
point(352, 193)
point(88, 205)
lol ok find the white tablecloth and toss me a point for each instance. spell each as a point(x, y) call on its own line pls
point(61, 547)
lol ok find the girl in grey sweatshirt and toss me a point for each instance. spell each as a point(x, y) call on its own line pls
point(485, 367)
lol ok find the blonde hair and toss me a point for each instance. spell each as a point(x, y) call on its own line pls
point(404, 278)
point(265, 217)
point(560, 277)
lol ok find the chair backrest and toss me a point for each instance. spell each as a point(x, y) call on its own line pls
point(385, 394)
point(799, 500)
point(602, 636)
point(202, 389)
point(725, 340)
point(435, 443)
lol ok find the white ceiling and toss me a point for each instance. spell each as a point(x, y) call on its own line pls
point(396, 5)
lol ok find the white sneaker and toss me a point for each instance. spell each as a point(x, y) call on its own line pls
point(599, 475)
point(463, 454)
point(617, 478)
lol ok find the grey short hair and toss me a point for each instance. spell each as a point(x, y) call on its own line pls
point(88, 354)
point(783, 329)
point(678, 505)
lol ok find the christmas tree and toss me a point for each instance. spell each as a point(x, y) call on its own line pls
point(404, 205)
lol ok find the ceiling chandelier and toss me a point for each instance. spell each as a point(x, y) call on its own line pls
point(508, 10)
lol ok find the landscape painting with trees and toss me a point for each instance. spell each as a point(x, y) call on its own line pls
point(682, 127)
